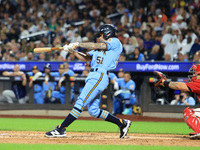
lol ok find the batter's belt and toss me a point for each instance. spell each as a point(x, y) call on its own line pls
point(99, 70)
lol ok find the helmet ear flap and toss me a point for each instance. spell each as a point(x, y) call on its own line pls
point(107, 30)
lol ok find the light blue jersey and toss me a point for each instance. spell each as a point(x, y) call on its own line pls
point(61, 93)
point(107, 59)
point(97, 80)
point(112, 76)
point(130, 85)
point(69, 72)
point(127, 94)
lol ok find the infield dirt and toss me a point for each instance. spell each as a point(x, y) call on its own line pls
point(33, 137)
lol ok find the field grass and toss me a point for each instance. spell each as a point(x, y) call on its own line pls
point(20, 124)
point(89, 147)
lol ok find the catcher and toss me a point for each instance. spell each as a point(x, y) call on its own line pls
point(191, 116)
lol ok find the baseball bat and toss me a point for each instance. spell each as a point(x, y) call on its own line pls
point(49, 49)
point(46, 49)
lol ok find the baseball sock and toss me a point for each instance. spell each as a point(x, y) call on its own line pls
point(110, 118)
point(73, 115)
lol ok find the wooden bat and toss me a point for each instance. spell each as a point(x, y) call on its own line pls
point(50, 49)
point(47, 49)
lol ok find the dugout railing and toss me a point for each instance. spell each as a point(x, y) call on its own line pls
point(146, 101)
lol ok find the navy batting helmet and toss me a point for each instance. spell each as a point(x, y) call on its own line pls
point(107, 30)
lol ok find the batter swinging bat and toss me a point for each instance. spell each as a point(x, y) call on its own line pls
point(50, 49)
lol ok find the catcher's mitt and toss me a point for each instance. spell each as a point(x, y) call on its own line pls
point(160, 76)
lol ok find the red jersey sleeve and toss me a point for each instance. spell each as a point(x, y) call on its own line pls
point(195, 87)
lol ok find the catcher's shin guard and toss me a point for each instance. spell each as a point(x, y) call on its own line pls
point(193, 123)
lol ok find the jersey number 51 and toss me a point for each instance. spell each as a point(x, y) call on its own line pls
point(99, 60)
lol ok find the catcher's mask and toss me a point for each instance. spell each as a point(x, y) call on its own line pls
point(194, 70)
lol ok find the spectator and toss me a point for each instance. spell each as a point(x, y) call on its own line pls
point(41, 57)
point(136, 32)
point(150, 21)
point(195, 47)
point(180, 23)
point(186, 47)
point(141, 15)
point(135, 23)
point(53, 25)
point(122, 57)
point(11, 57)
point(76, 37)
point(190, 33)
point(141, 48)
point(159, 25)
point(169, 43)
point(196, 57)
point(182, 57)
point(129, 43)
point(154, 55)
point(136, 55)
point(176, 97)
point(161, 14)
point(17, 94)
point(29, 56)
point(24, 30)
point(167, 57)
point(125, 18)
point(147, 42)
point(13, 34)
point(185, 99)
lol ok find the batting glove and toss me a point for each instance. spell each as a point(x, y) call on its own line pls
point(74, 45)
point(69, 48)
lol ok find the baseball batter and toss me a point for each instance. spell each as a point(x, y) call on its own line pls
point(191, 116)
point(104, 57)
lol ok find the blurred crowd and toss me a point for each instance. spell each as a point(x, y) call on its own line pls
point(149, 30)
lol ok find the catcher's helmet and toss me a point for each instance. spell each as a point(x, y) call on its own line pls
point(107, 30)
point(195, 70)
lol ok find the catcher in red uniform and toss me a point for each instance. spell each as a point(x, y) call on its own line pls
point(191, 116)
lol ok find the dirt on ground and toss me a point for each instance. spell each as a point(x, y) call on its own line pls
point(34, 137)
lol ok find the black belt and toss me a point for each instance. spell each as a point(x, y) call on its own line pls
point(95, 69)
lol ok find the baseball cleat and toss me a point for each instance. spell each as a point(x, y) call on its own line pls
point(124, 128)
point(195, 136)
point(56, 133)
